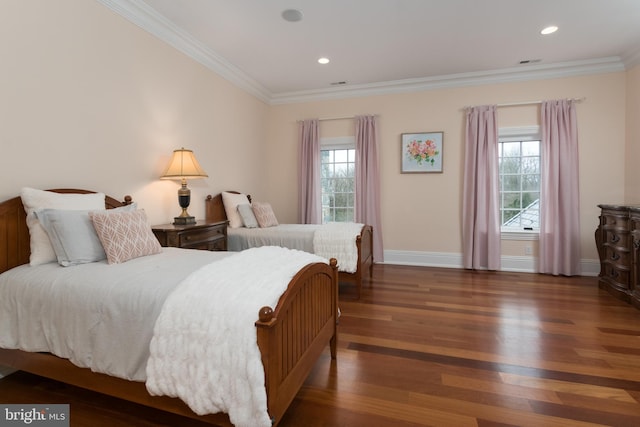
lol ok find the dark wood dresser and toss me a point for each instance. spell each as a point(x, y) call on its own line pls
point(210, 236)
point(618, 243)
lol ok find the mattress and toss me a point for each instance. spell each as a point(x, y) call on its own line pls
point(292, 236)
point(99, 316)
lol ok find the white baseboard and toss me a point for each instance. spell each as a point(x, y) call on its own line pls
point(524, 264)
point(5, 370)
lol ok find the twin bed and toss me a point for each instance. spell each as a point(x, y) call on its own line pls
point(352, 267)
point(128, 307)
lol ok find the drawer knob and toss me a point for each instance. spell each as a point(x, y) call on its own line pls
point(615, 256)
point(615, 238)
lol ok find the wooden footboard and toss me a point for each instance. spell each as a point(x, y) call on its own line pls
point(364, 243)
point(292, 338)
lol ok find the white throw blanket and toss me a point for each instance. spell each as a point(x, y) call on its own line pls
point(204, 349)
point(338, 240)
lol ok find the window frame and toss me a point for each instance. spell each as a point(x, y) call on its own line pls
point(337, 143)
point(517, 134)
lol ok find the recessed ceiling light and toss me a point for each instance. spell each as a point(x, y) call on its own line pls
point(323, 61)
point(549, 30)
point(292, 15)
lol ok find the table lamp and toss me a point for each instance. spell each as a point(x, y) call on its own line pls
point(184, 165)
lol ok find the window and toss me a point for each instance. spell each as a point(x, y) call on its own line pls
point(337, 166)
point(519, 162)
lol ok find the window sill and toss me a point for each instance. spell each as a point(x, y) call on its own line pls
point(520, 235)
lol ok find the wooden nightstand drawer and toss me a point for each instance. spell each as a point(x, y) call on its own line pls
point(202, 235)
point(193, 237)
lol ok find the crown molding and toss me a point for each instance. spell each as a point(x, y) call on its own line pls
point(505, 75)
point(632, 58)
point(147, 18)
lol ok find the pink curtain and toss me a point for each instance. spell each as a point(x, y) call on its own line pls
point(367, 203)
point(559, 192)
point(310, 208)
point(481, 192)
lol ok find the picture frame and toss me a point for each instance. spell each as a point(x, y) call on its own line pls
point(421, 152)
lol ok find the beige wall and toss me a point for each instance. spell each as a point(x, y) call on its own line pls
point(90, 100)
point(421, 212)
point(632, 176)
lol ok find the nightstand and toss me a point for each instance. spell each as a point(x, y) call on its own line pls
point(211, 236)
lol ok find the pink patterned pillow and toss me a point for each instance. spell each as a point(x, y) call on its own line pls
point(264, 214)
point(125, 235)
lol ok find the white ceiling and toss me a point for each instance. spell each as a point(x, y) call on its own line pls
point(378, 46)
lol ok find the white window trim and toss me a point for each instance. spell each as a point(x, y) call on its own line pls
point(520, 235)
point(519, 133)
point(338, 143)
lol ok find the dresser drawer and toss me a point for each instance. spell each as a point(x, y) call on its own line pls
point(616, 275)
point(615, 219)
point(617, 256)
point(194, 237)
point(616, 237)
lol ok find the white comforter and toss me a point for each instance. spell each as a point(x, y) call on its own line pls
point(338, 240)
point(99, 316)
point(207, 354)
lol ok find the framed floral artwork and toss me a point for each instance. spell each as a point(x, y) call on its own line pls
point(422, 152)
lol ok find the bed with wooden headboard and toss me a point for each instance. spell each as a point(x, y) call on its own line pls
point(215, 212)
point(291, 336)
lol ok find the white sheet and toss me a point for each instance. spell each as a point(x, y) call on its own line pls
point(97, 315)
point(292, 236)
point(215, 339)
point(303, 237)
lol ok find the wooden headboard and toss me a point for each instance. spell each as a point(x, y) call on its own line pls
point(214, 207)
point(14, 234)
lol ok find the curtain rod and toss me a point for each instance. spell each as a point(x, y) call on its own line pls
point(518, 104)
point(326, 119)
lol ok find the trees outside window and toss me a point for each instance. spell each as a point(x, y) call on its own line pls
point(337, 179)
point(519, 160)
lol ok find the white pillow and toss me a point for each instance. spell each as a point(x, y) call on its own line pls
point(41, 250)
point(73, 236)
point(231, 202)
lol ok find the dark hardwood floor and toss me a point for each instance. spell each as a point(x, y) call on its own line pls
point(442, 347)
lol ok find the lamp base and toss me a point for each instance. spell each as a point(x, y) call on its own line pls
point(184, 220)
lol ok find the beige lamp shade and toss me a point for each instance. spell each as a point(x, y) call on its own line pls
point(183, 164)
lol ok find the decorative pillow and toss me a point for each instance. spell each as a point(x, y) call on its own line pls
point(231, 202)
point(73, 236)
point(41, 249)
point(264, 214)
point(246, 213)
point(125, 235)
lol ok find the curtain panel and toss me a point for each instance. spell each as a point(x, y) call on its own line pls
point(367, 182)
point(481, 192)
point(309, 190)
point(559, 193)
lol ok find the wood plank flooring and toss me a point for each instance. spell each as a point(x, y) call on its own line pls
point(443, 347)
